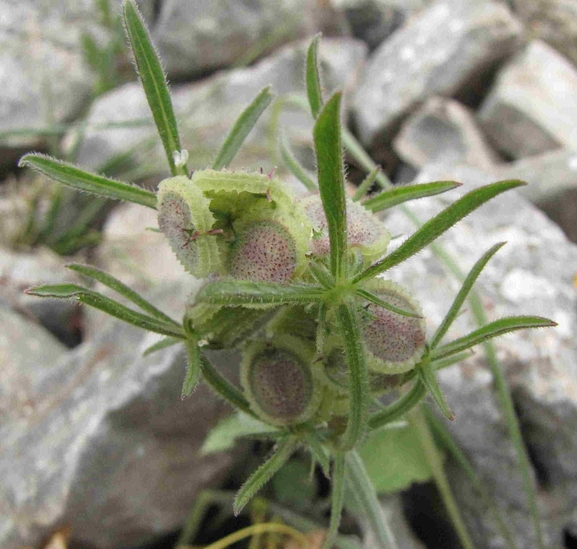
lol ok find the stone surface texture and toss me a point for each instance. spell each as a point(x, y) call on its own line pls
point(532, 107)
point(195, 37)
point(445, 49)
point(104, 444)
point(443, 130)
point(208, 109)
point(532, 274)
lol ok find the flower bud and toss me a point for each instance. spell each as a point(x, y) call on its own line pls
point(280, 381)
point(394, 343)
point(185, 219)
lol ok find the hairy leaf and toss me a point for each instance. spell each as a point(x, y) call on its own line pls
point(338, 496)
point(403, 193)
point(429, 379)
point(192, 367)
point(313, 77)
point(381, 303)
point(367, 184)
point(399, 408)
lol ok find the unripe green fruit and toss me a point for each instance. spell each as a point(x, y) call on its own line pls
point(185, 219)
point(394, 343)
point(280, 380)
point(366, 233)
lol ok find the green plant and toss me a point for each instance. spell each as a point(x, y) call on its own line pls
point(298, 286)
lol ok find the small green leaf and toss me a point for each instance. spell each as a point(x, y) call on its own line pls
point(122, 289)
point(463, 293)
point(282, 453)
point(399, 408)
point(242, 127)
point(318, 452)
point(246, 292)
point(491, 330)
point(154, 83)
point(394, 460)
point(381, 303)
point(103, 303)
point(224, 435)
point(313, 77)
point(429, 379)
point(358, 376)
point(329, 153)
point(162, 344)
point(192, 367)
point(71, 176)
point(224, 388)
point(403, 193)
point(338, 496)
point(437, 226)
point(293, 164)
point(367, 184)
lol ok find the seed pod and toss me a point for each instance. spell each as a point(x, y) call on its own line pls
point(366, 233)
point(394, 343)
point(185, 219)
point(280, 380)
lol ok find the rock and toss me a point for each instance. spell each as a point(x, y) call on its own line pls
point(20, 271)
point(109, 449)
point(208, 109)
point(374, 20)
point(532, 274)
point(531, 108)
point(446, 49)
point(43, 75)
point(554, 21)
point(196, 37)
point(443, 130)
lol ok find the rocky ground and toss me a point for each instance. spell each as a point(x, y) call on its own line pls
point(93, 436)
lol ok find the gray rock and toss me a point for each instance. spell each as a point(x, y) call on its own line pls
point(208, 109)
point(443, 130)
point(20, 271)
point(532, 274)
point(195, 37)
point(447, 48)
point(554, 21)
point(42, 71)
point(531, 108)
point(109, 448)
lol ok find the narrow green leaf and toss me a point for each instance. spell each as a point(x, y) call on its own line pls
point(318, 452)
point(313, 77)
point(224, 388)
point(429, 379)
point(491, 330)
point(71, 176)
point(358, 376)
point(440, 364)
point(403, 193)
point(399, 408)
point(245, 292)
point(321, 328)
point(122, 289)
point(192, 367)
point(463, 293)
point(282, 453)
point(367, 183)
point(103, 303)
point(381, 303)
point(438, 225)
point(338, 496)
point(364, 492)
point(242, 127)
point(321, 275)
point(154, 84)
point(329, 153)
point(293, 164)
point(162, 344)
point(446, 439)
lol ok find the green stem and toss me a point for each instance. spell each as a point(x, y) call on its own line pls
point(364, 491)
point(419, 424)
point(400, 407)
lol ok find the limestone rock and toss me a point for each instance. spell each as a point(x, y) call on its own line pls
point(531, 108)
point(532, 274)
point(194, 37)
point(443, 130)
point(207, 110)
point(447, 48)
point(109, 448)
